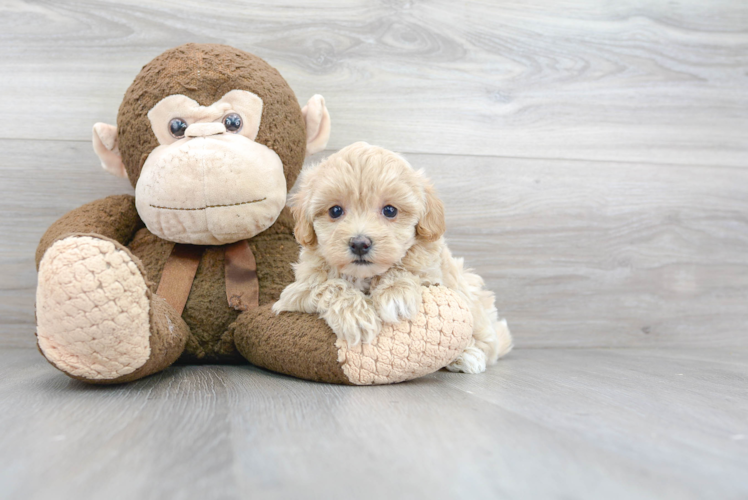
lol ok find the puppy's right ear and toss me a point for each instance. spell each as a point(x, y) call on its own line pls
point(432, 225)
point(304, 230)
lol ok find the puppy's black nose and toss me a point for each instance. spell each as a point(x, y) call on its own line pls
point(360, 245)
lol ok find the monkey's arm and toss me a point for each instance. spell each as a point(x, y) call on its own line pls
point(304, 346)
point(113, 217)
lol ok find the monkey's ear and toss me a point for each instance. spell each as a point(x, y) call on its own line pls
point(317, 121)
point(432, 225)
point(105, 144)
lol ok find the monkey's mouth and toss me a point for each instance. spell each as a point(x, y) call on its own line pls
point(210, 206)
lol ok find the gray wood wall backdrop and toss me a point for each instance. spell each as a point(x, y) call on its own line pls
point(592, 155)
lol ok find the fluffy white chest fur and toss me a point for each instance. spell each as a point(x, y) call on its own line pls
point(361, 284)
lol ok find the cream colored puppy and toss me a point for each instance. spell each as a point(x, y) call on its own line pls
point(371, 231)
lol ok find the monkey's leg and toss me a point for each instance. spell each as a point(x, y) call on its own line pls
point(97, 320)
point(112, 217)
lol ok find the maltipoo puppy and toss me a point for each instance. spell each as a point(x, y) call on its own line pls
point(371, 230)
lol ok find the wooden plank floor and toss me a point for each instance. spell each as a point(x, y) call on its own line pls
point(546, 423)
point(592, 159)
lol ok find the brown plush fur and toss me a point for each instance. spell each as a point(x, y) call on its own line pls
point(296, 344)
point(207, 312)
point(205, 72)
point(112, 217)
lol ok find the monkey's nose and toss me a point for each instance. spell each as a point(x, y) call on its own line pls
point(360, 245)
point(205, 129)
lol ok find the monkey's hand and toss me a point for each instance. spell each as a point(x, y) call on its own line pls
point(396, 295)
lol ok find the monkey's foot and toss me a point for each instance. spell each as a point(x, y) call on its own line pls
point(92, 309)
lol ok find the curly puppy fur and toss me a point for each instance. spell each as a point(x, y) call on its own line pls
point(356, 292)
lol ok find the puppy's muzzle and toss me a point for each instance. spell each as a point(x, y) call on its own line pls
point(360, 245)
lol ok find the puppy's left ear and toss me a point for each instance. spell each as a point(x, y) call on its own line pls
point(432, 225)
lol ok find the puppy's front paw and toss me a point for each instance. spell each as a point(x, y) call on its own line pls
point(396, 303)
point(353, 321)
point(278, 307)
point(296, 297)
point(286, 304)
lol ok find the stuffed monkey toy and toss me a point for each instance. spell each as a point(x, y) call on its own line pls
point(211, 138)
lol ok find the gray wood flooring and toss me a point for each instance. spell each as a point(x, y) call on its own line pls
point(593, 160)
point(546, 423)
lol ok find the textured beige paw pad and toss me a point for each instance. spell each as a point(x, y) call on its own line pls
point(92, 309)
point(407, 350)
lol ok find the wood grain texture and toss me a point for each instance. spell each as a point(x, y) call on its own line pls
point(603, 254)
point(642, 81)
point(629, 423)
point(579, 253)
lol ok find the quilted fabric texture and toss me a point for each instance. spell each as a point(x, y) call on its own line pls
point(406, 350)
point(92, 309)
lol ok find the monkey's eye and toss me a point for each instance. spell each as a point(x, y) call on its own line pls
point(177, 126)
point(233, 122)
point(389, 211)
point(336, 212)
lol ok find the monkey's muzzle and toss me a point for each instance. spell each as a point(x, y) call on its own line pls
point(210, 188)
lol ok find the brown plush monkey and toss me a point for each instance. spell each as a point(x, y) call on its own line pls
point(212, 138)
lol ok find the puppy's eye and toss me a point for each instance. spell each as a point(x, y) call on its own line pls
point(389, 211)
point(232, 122)
point(336, 212)
point(177, 126)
